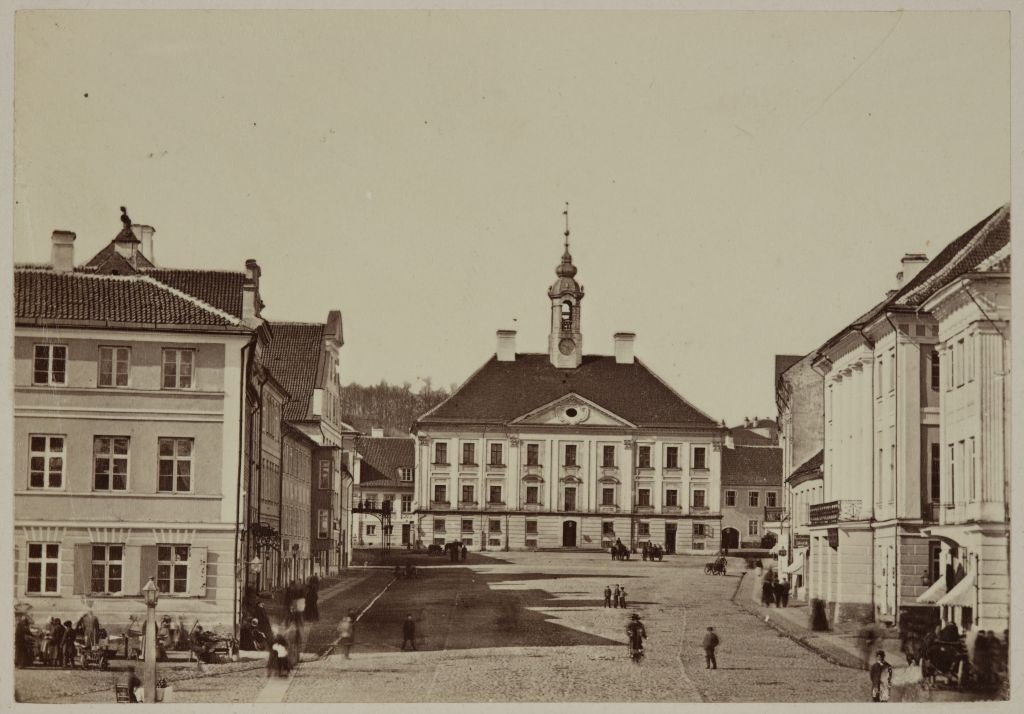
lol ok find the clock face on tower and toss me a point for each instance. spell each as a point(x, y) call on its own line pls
point(566, 346)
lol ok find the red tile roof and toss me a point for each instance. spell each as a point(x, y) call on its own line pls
point(49, 297)
point(500, 392)
point(753, 466)
point(383, 456)
point(220, 288)
point(746, 437)
point(295, 352)
point(810, 469)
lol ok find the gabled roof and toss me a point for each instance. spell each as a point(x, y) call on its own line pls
point(810, 469)
point(784, 362)
point(220, 288)
point(383, 456)
point(46, 296)
point(502, 391)
point(294, 359)
point(746, 437)
point(110, 261)
point(751, 466)
point(960, 256)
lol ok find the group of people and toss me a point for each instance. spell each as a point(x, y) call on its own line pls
point(990, 658)
point(457, 551)
point(774, 591)
point(59, 643)
point(614, 597)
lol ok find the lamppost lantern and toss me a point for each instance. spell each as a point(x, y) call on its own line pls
point(151, 593)
point(256, 564)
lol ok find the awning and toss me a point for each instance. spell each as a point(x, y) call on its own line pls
point(797, 565)
point(961, 594)
point(934, 593)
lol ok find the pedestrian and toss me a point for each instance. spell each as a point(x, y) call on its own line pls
point(983, 658)
point(766, 592)
point(409, 632)
point(465, 551)
point(89, 625)
point(881, 678)
point(644, 552)
point(134, 684)
point(312, 612)
point(709, 644)
point(622, 598)
point(55, 634)
point(22, 633)
point(347, 634)
point(277, 660)
point(615, 596)
point(785, 593)
point(68, 645)
point(607, 595)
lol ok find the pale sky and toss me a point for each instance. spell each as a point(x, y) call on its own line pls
point(741, 185)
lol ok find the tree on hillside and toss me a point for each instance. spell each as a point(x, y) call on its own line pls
point(389, 406)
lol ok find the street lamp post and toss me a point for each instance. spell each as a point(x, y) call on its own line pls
point(151, 594)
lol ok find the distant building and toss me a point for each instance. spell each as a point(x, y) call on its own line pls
point(751, 486)
point(568, 450)
point(756, 432)
point(385, 468)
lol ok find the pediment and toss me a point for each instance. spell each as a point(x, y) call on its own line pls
point(572, 410)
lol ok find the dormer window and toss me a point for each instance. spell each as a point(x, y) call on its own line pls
point(566, 315)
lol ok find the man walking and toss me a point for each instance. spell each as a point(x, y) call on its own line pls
point(615, 596)
point(408, 632)
point(710, 644)
point(881, 678)
point(607, 595)
point(346, 634)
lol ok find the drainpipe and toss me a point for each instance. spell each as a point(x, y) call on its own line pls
point(280, 493)
point(243, 355)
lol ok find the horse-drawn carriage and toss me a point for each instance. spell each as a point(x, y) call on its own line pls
point(946, 660)
point(619, 551)
point(716, 567)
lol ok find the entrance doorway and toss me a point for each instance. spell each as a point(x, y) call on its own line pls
point(670, 538)
point(569, 534)
point(406, 532)
point(730, 538)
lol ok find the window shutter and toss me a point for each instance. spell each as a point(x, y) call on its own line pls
point(83, 568)
point(147, 565)
point(197, 571)
point(131, 576)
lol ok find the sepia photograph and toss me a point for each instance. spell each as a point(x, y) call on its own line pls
point(538, 355)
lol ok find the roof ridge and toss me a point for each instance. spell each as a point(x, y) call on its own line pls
point(186, 296)
point(190, 270)
point(296, 323)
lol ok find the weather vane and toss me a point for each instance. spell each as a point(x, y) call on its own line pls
point(124, 217)
point(566, 214)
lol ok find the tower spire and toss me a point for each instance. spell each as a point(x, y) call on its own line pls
point(566, 214)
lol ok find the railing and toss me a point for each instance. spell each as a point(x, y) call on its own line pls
point(834, 511)
point(774, 513)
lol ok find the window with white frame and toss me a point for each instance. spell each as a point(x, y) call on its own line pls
point(672, 457)
point(608, 456)
point(469, 453)
point(771, 499)
point(110, 463)
point(323, 522)
point(935, 374)
point(730, 498)
point(494, 494)
point(49, 365)
point(531, 527)
point(570, 454)
point(43, 568)
point(533, 454)
point(700, 529)
point(754, 498)
point(172, 568)
point(752, 528)
point(405, 473)
point(46, 461)
point(570, 498)
point(671, 497)
point(644, 529)
point(467, 493)
point(532, 494)
point(107, 569)
point(608, 496)
point(493, 525)
point(440, 493)
point(700, 457)
point(644, 457)
point(178, 369)
point(441, 453)
point(439, 526)
point(371, 530)
point(698, 498)
point(643, 497)
point(496, 455)
point(175, 474)
point(324, 475)
point(467, 525)
point(607, 528)
point(115, 363)
point(406, 503)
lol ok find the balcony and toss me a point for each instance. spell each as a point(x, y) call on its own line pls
point(608, 508)
point(774, 514)
point(440, 505)
point(467, 505)
point(834, 512)
point(671, 509)
point(699, 509)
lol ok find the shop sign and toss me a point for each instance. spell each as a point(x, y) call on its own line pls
point(833, 538)
point(802, 540)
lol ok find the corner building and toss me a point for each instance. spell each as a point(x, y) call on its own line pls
point(567, 450)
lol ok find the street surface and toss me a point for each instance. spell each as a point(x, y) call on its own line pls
point(526, 627)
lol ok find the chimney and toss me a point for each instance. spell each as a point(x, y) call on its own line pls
point(377, 432)
point(145, 234)
point(729, 442)
point(912, 264)
point(251, 302)
point(62, 251)
point(506, 345)
point(624, 347)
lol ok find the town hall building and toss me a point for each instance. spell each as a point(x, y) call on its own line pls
point(567, 450)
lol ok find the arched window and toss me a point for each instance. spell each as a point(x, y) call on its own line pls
point(566, 315)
